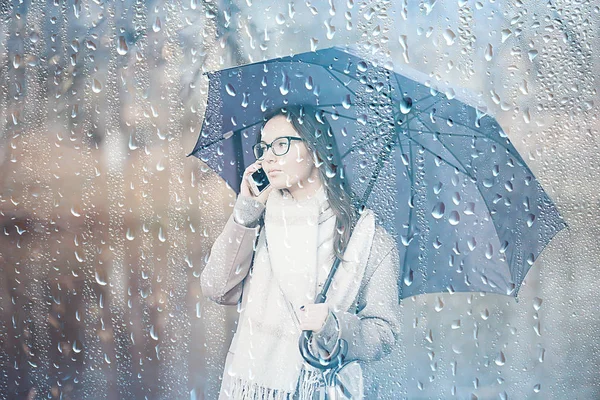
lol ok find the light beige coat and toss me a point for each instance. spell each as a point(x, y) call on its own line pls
point(371, 325)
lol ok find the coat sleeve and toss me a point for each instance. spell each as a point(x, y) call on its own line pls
point(373, 331)
point(231, 255)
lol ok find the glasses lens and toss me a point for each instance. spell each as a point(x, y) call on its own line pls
point(281, 146)
point(259, 150)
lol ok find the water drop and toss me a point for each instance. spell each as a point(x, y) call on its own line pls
point(347, 102)
point(429, 4)
point(530, 220)
point(122, 48)
point(153, 333)
point(489, 52)
point(330, 29)
point(439, 304)
point(500, 359)
point(438, 210)
point(454, 218)
point(429, 336)
point(406, 105)
point(101, 281)
point(129, 235)
point(527, 115)
point(537, 303)
point(161, 235)
point(485, 314)
point(17, 61)
point(471, 243)
point(408, 279)
point(156, 26)
point(449, 36)
point(77, 346)
point(96, 86)
point(530, 259)
point(532, 54)
point(284, 88)
point(489, 251)
point(230, 90)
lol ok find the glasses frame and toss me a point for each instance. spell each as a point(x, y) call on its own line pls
point(290, 139)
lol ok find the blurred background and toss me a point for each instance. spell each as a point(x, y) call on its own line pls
point(105, 224)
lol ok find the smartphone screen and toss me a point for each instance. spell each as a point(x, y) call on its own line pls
point(260, 179)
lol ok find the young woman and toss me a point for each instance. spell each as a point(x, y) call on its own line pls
point(275, 253)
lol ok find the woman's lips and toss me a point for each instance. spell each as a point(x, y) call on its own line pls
point(273, 171)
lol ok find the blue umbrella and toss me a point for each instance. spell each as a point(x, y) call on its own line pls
point(441, 176)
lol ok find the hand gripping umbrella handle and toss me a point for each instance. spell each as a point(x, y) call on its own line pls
point(337, 357)
point(332, 361)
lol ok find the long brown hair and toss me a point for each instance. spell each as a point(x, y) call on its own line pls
point(313, 126)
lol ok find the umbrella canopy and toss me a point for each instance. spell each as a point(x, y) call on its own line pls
point(441, 176)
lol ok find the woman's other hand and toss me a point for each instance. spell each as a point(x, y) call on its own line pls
point(313, 316)
point(245, 185)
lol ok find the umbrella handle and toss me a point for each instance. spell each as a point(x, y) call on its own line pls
point(335, 359)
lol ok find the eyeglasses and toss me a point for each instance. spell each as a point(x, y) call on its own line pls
point(280, 146)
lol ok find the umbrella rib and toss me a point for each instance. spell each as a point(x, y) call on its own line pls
point(236, 131)
point(437, 155)
point(450, 151)
point(339, 80)
point(410, 213)
point(489, 137)
point(407, 167)
point(470, 176)
point(340, 115)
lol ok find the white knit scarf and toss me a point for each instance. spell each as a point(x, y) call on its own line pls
point(266, 362)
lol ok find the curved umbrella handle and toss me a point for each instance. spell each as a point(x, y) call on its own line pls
point(335, 359)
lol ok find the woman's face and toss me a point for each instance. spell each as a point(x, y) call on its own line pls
point(292, 170)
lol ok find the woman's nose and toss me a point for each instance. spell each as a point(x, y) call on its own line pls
point(269, 157)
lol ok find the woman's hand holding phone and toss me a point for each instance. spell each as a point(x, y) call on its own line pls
point(245, 189)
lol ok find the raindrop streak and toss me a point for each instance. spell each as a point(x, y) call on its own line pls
point(161, 235)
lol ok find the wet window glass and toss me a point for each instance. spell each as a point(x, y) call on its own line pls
point(439, 157)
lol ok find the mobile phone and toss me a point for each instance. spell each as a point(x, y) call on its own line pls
point(258, 182)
